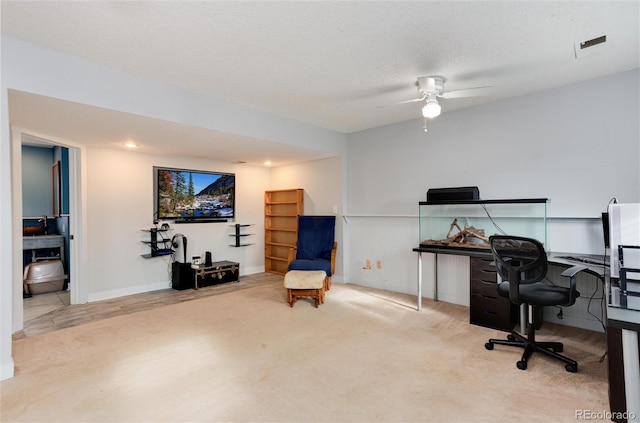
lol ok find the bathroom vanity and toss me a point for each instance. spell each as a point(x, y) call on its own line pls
point(44, 242)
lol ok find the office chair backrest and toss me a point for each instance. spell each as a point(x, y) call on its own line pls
point(519, 260)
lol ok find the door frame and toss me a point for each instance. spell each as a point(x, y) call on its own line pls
point(77, 224)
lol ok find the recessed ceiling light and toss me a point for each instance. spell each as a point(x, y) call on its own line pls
point(130, 144)
point(267, 163)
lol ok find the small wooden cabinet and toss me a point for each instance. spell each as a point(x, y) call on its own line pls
point(281, 210)
point(487, 308)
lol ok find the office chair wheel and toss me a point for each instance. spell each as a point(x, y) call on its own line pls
point(571, 368)
point(510, 337)
point(489, 346)
point(522, 365)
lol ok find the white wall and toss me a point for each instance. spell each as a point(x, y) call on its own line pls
point(322, 181)
point(557, 144)
point(120, 206)
point(6, 239)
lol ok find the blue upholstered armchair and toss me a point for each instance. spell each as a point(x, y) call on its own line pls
point(315, 248)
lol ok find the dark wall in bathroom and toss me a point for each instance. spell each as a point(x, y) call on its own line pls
point(36, 181)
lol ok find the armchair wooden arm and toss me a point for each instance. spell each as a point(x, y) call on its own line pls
point(333, 257)
point(292, 255)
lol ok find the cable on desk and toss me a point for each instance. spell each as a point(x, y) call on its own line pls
point(593, 297)
point(602, 306)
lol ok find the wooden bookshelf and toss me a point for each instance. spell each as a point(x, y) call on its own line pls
point(281, 210)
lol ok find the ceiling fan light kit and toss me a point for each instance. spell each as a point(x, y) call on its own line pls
point(431, 108)
point(432, 87)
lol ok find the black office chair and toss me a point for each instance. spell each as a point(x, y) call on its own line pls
point(522, 265)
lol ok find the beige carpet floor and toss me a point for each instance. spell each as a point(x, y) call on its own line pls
point(364, 355)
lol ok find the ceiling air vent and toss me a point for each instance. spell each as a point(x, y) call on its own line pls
point(589, 46)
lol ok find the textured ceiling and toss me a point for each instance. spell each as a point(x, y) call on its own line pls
point(332, 64)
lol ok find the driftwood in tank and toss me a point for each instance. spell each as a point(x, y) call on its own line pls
point(464, 237)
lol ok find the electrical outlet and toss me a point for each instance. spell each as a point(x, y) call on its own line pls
point(378, 264)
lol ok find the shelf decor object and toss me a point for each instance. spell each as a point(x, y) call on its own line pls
point(281, 210)
point(239, 235)
point(159, 244)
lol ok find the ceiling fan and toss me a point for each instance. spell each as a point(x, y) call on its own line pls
point(432, 87)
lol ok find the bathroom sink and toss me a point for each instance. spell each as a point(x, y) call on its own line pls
point(33, 230)
point(42, 241)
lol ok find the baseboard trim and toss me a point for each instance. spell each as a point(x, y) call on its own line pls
point(138, 289)
point(7, 369)
point(251, 270)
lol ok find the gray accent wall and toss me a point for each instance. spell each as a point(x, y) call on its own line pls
point(36, 180)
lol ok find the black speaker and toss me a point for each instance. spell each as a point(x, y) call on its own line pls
point(450, 195)
point(207, 259)
point(182, 276)
point(184, 245)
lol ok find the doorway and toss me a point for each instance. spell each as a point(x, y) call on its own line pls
point(65, 221)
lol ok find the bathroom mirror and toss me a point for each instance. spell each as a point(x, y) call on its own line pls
point(56, 197)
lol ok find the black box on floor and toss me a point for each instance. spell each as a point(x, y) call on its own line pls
point(183, 275)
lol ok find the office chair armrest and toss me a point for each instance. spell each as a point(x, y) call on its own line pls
point(571, 273)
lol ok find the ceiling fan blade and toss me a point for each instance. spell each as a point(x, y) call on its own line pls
point(470, 92)
point(413, 100)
